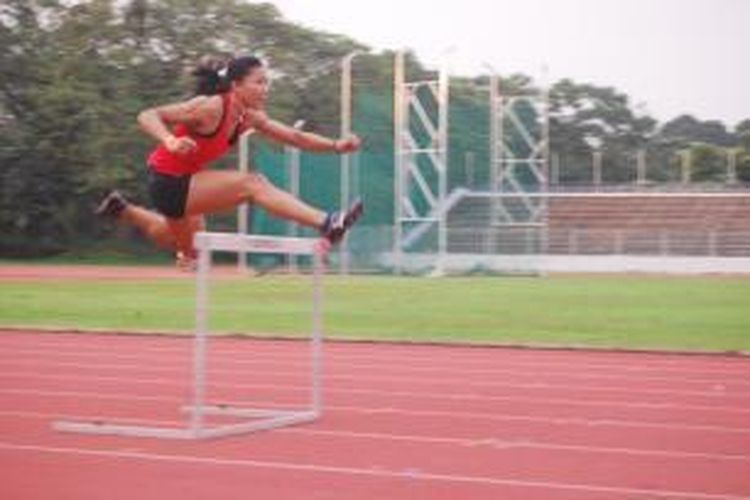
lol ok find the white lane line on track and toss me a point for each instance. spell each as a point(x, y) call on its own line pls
point(353, 471)
point(463, 442)
point(410, 394)
point(391, 360)
point(714, 389)
point(614, 372)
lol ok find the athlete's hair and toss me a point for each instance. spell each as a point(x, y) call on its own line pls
point(214, 75)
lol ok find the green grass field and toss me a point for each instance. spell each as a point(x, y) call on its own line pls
point(630, 312)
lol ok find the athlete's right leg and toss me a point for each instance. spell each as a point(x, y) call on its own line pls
point(216, 191)
point(212, 191)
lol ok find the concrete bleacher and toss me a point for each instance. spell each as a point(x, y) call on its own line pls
point(651, 223)
point(669, 211)
point(708, 223)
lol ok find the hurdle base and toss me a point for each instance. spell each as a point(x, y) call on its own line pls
point(106, 428)
point(264, 420)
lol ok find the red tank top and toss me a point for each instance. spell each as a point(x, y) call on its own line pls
point(208, 147)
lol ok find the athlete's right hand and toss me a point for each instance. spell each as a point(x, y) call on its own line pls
point(179, 145)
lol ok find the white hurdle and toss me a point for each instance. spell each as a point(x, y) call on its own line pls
point(256, 419)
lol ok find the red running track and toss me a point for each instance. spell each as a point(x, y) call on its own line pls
point(400, 422)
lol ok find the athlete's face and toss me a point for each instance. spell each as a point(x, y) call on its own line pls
point(253, 89)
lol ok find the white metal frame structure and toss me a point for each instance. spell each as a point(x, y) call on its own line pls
point(256, 419)
point(409, 180)
point(243, 210)
point(508, 164)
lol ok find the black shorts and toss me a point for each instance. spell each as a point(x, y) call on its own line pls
point(168, 193)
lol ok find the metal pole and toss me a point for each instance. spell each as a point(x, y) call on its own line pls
point(641, 167)
point(494, 140)
point(242, 209)
point(685, 164)
point(545, 131)
point(199, 347)
point(597, 167)
point(443, 91)
point(493, 134)
point(544, 188)
point(469, 168)
point(398, 132)
point(497, 152)
point(346, 129)
point(732, 165)
point(293, 161)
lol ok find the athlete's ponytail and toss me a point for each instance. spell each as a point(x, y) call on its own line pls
point(214, 75)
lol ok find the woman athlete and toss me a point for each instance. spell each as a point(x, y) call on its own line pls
point(230, 100)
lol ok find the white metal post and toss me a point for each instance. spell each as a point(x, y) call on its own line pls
point(398, 161)
point(641, 167)
point(544, 181)
point(469, 168)
point(494, 92)
point(201, 329)
point(732, 165)
point(443, 96)
point(292, 156)
point(494, 164)
point(346, 129)
point(596, 175)
point(242, 209)
point(686, 160)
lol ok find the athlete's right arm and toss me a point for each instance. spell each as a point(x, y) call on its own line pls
point(155, 122)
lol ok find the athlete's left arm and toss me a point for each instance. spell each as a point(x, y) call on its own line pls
point(308, 141)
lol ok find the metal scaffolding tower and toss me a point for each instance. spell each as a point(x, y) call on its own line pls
point(421, 157)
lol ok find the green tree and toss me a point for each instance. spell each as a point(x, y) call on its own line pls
point(75, 76)
point(743, 156)
point(687, 129)
point(583, 118)
point(743, 127)
point(708, 162)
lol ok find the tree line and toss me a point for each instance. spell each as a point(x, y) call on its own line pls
point(73, 76)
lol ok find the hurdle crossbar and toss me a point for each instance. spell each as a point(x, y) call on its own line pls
point(256, 419)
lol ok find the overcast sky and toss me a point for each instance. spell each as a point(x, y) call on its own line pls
point(673, 56)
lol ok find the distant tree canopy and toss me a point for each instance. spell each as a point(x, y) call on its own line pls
point(687, 129)
point(73, 76)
